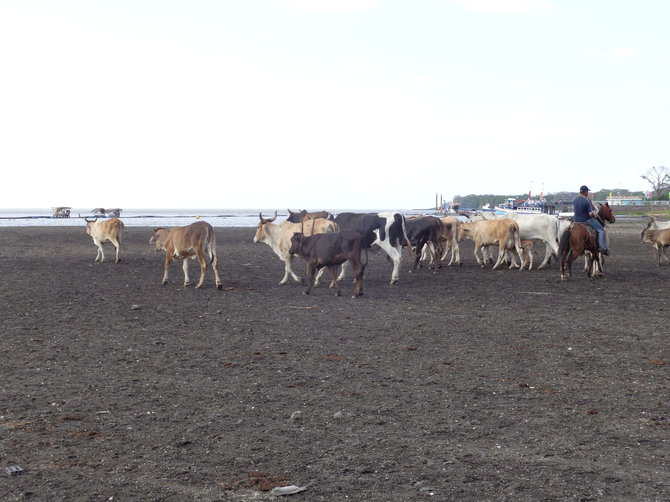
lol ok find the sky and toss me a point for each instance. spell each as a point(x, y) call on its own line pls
point(326, 104)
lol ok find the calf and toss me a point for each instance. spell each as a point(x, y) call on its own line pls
point(527, 250)
point(331, 250)
point(196, 240)
point(102, 231)
point(660, 239)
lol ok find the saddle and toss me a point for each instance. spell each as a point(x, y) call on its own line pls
point(592, 232)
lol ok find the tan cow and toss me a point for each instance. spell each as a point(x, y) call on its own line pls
point(278, 237)
point(102, 231)
point(196, 240)
point(450, 238)
point(660, 239)
point(503, 232)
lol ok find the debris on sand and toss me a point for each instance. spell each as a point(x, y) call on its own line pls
point(287, 490)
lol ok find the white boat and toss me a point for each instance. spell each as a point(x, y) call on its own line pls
point(530, 206)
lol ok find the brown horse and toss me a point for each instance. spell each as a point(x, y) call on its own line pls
point(579, 239)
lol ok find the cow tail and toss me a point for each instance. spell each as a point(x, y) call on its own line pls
point(400, 233)
point(211, 244)
point(517, 238)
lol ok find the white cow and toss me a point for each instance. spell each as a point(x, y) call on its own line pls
point(278, 237)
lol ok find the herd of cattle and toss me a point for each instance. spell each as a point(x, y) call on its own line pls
point(327, 241)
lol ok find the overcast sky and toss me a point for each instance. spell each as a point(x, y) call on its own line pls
point(327, 103)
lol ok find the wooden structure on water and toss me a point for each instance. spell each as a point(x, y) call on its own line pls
point(102, 212)
point(61, 212)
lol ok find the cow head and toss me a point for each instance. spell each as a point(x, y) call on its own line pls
point(463, 230)
point(296, 217)
point(158, 239)
point(296, 244)
point(647, 232)
point(89, 224)
point(260, 229)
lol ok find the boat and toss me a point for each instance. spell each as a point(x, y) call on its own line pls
point(528, 206)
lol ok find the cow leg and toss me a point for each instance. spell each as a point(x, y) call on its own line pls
point(501, 256)
point(215, 266)
point(203, 268)
point(334, 283)
point(288, 270)
point(521, 254)
point(343, 272)
point(166, 267)
point(117, 245)
point(184, 266)
point(547, 256)
point(417, 255)
point(100, 256)
point(311, 272)
point(661, 254)
point(395, 253)
point(358, 283)
point(319, 275)
point(479, 248)
point(455, 254)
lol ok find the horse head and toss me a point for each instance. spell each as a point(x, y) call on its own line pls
point(605, 212)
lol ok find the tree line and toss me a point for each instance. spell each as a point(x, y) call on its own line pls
point(658, 178)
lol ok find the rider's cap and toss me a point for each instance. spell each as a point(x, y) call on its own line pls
point(583, 188)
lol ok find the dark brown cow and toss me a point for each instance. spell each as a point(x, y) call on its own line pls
point(422, 231)
point(331, 250)
point(304, 215)
point(196, 240)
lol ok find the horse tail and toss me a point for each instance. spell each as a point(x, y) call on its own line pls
point(564, 244)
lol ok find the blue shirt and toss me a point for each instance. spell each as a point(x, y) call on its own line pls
point(582, 207)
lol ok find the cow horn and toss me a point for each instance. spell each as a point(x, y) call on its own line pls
point(289, 211)
point(90, 221)
point(260, 217)
point(273, 218)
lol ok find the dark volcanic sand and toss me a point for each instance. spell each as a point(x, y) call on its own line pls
point(468, 383)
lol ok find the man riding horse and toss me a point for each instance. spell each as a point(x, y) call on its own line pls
point(586, 213)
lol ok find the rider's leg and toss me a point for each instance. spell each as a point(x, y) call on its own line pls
point(597, 226)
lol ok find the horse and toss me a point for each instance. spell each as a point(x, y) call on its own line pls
point(579, 239)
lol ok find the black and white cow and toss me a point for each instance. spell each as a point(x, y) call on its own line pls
point(386, 230)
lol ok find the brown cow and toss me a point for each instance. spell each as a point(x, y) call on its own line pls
point(304, 215)
point(331, 250)
point(196, 240)
point(102, 231)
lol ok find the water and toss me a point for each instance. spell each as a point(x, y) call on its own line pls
point(154, 217)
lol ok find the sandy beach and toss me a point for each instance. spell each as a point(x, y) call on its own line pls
point(463, 384)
